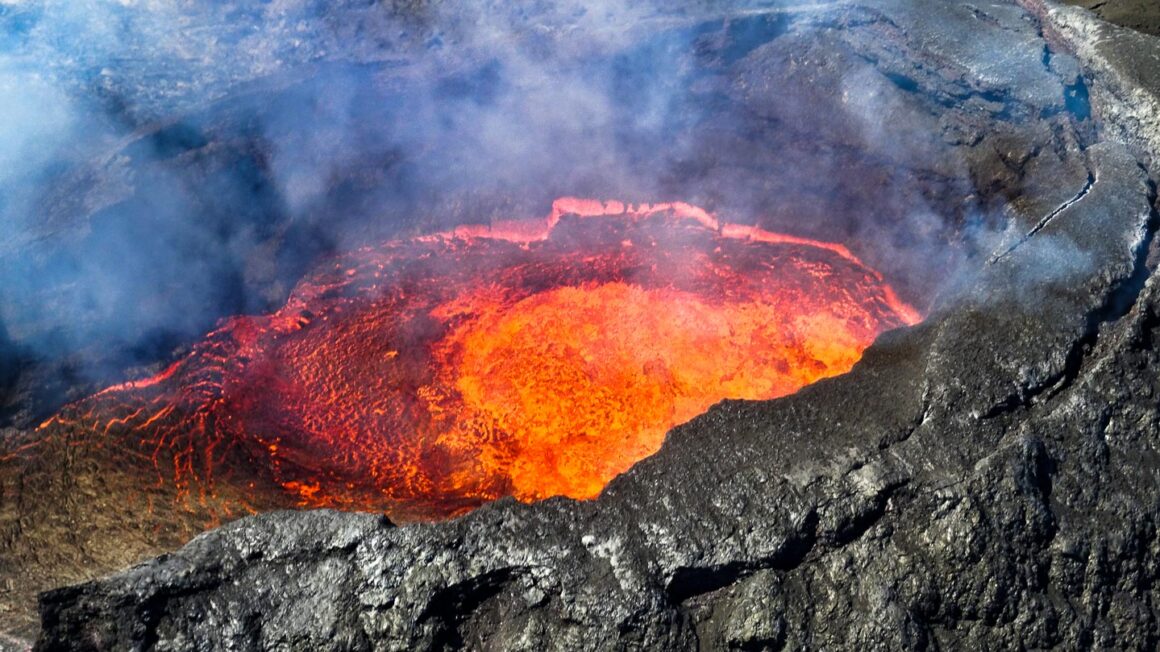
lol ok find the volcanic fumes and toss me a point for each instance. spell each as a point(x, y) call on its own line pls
point(528, 358)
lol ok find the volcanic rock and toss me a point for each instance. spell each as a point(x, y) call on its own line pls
point(1139, 15)
point(984, 480)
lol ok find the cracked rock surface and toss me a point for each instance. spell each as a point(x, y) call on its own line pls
point(985, 480)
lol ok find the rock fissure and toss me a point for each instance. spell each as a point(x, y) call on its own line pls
point(1118, 301)
point(1043, 222)
point(449, 607)
point(691, 581)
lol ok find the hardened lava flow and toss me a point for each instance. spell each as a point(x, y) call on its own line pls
point(528, 358)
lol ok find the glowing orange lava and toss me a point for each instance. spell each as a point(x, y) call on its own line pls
point(585, 381)
point(526, 358)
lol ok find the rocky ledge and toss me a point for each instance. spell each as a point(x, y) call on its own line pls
point(986, 480)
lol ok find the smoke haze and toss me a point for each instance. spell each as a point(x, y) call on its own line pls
point(164, 163)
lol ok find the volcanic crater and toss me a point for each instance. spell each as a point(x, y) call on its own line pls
point(412, 344)
point(531, 358)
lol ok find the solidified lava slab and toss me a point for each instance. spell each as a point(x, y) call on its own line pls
point(526, 358)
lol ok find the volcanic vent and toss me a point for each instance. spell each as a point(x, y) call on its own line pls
point(528, 358)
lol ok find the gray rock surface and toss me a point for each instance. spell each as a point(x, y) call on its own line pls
point(1122, 62)
point(985, 480)
point(1140, 15)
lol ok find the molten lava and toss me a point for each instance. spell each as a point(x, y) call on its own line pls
point(527, 358)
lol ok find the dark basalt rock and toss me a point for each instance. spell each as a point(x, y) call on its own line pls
point(985, 480)
point(1140, 15)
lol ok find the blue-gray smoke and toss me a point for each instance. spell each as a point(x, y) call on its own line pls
point(165, 163)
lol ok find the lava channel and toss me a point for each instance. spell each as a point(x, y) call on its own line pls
point(529, 358)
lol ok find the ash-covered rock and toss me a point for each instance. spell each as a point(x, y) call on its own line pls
point(986, 480)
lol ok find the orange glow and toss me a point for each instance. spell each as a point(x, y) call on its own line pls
point(527, 358)
point(586, 380)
